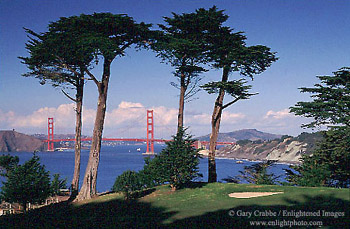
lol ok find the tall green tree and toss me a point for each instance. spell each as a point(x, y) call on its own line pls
point(100, 37)
point(229, 52)
point(59, 57)
point(27, 183)
point(330, 107)
point(183, 47)
point(109, 36)
point(331, 101)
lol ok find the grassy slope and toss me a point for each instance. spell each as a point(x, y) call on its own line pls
point(204, 205)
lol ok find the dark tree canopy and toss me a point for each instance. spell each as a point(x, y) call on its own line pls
point(331, 100)
point(228, 51)
point(73, 43)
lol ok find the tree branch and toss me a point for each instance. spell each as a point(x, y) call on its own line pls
point(126, 45)
point(230, 103)
point(92, 77)
point(69, 97)
point(66, 66)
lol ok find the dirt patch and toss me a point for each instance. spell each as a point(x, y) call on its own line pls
point(251, 194)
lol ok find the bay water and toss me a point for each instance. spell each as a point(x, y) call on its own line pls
point(115, 160)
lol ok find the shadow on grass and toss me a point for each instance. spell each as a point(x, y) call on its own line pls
point(197, 184)
point(143, 193)
point(327, 207)
point(134, 214)
point(110, 214)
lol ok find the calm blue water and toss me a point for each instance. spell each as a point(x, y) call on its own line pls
point(115, 160)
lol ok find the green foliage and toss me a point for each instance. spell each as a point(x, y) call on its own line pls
point(235, 88)
point(7, 163)
point(329, 165)
point(331, 100)
point(330, 160)
point(129, 182)
point(257, 173)
point(244, 142)
point(27, 183)
point(57, 183)
point(227, 50)
point(177, 164)
point(182, 45)
point(73, 45)
point(311, 139)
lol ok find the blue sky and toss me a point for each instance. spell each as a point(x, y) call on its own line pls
point(310, 37)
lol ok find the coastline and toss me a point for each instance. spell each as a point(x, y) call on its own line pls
point(251, 160)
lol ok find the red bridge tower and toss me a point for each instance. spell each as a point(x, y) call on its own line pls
point(50, 134)
point(150, 132)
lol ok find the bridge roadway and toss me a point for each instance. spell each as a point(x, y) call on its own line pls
point(131, 140)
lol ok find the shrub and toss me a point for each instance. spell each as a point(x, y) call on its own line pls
point(129, 182)
point(243, 142)
point(329, 164)
point(257, 173)
point(57, 184)
point(177, 164)
point(27, 183)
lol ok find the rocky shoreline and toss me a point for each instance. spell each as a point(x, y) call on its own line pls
point(286, 149)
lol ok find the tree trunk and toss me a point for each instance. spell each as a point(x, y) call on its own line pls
point(88, 190)
point(215, 126)
point(78, 127)
point(180, 118)
point(24, 206)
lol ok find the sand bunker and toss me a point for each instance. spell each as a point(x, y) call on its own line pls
point(251, 194)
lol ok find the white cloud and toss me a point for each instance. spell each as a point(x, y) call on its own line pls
point(129, 120)
point(232, 118)
point(282, 114)
point(281, 122)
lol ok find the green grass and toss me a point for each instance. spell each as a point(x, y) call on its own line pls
point(201, 206)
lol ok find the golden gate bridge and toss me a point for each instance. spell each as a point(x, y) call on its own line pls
point(150, 140)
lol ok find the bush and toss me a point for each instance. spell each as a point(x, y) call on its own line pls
point(257, 173)
point(27, 183)
point(129, 182)
point(243, 142)
point(177, 164)
point(329, 164)
point(57, 184)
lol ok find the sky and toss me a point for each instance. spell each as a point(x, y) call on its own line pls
point(310, 38)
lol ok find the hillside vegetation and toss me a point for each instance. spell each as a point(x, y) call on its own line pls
point(202, 206)
point(245, 134)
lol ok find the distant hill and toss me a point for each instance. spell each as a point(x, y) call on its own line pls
point(284, 149)
point(12, 141)
point(245, 134)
